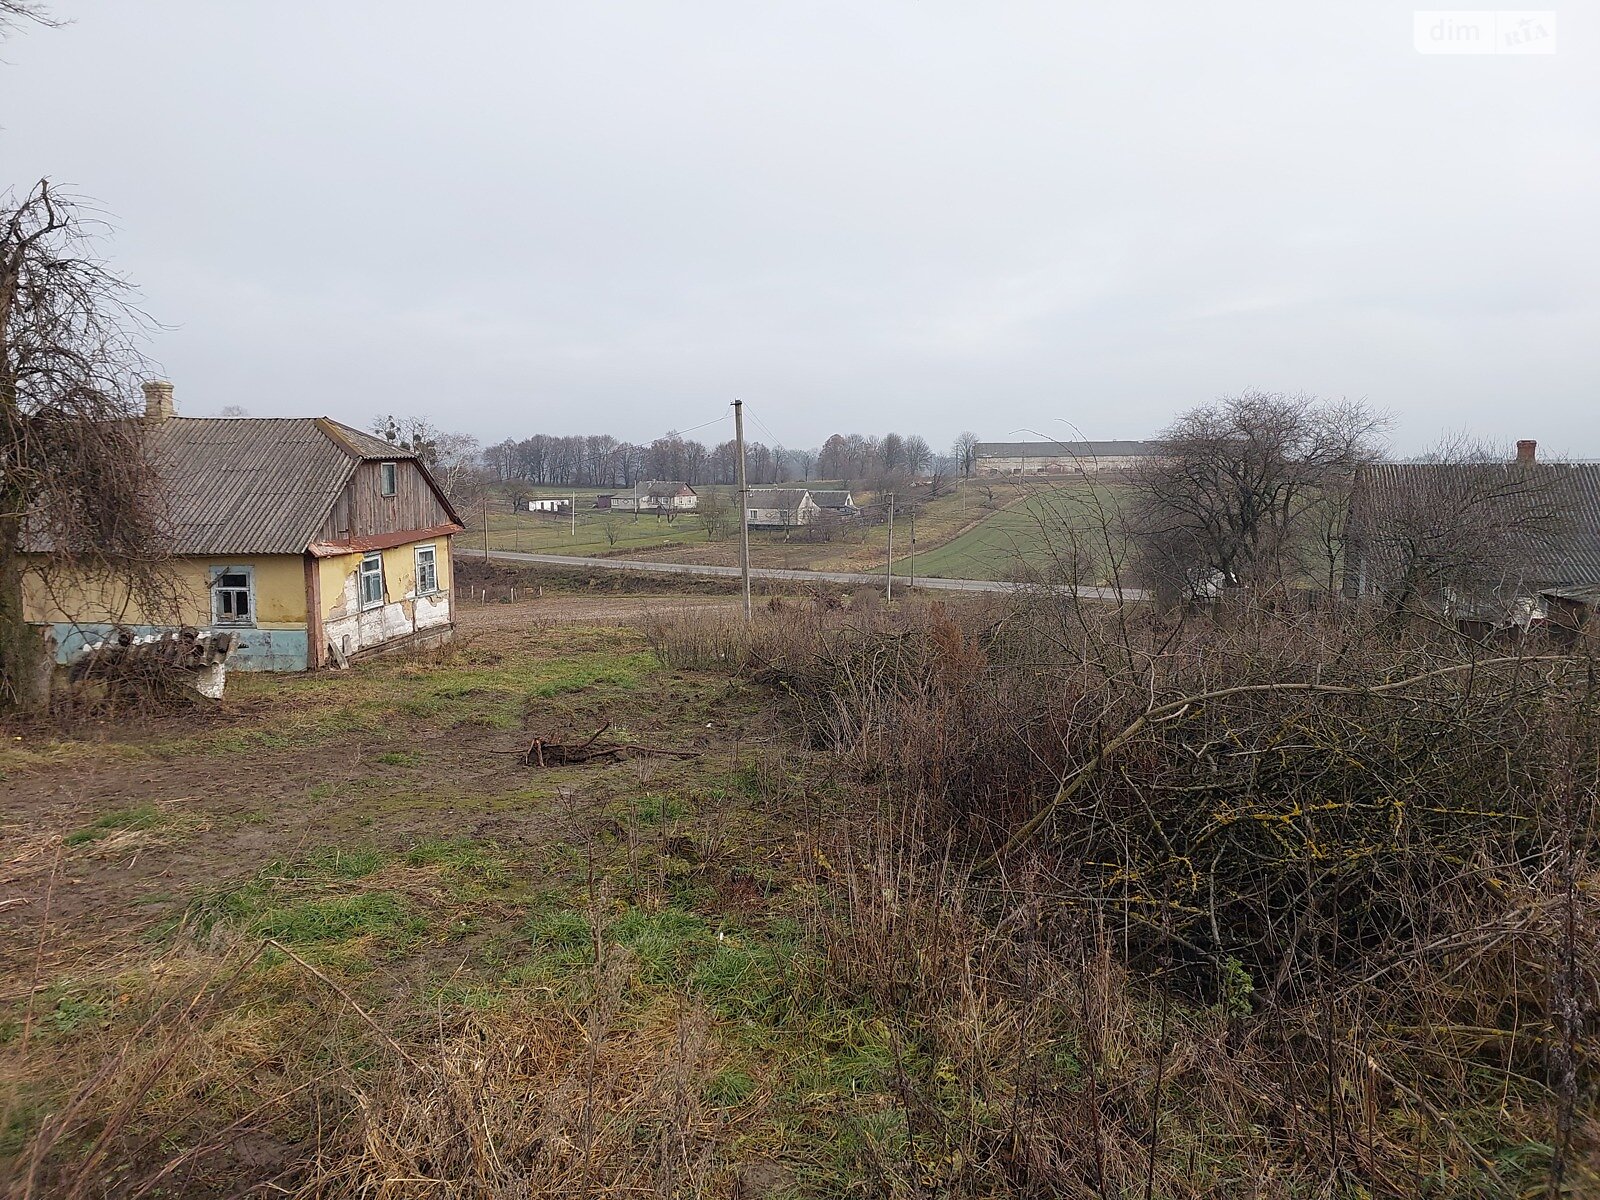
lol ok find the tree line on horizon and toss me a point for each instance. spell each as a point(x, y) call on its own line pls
point(600, 460)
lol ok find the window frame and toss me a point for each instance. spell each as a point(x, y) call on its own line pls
point(432, 551)
point(249, 590)
point(374, 556)
point(388, 478)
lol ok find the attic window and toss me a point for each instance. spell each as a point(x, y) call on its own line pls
point(386, 478)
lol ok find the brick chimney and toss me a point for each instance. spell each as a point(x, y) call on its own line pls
point(1527, 450)
point(158, 405)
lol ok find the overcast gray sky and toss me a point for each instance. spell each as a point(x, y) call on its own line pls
point(921, 215)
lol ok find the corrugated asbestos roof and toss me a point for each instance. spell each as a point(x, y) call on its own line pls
point(1567, 555)
point(254, 485)
point(1042, 450)
point(830, 497)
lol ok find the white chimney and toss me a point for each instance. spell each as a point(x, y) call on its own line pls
point(158, 405)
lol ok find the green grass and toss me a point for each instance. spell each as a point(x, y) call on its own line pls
point(1022, 535)
point(143, 816)
point(548, 534)
point(574, 674)
point(463, 858)
point(380, 915)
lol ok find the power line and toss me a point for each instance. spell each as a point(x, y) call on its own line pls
point(692, 428)
point(754, 416)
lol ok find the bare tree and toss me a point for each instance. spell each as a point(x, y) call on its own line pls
point(1228, 492)
point(714, 515)
point(14, 12)
point(77, 487)
point(917, 454)
point(453, 458)
point(965, 450)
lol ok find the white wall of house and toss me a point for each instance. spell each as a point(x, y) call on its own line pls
point(784, 518)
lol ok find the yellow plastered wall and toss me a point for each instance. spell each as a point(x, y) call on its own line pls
point(279, 583)
point(340, 585)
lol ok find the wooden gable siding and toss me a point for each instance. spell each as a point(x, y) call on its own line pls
point(362, 510)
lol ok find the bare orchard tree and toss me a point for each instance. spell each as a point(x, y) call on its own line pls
point(1468, 522)
point(1227, 495)
point(77, 490)
point(715, 514)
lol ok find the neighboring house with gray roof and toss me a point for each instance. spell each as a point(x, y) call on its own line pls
point(780, 508)
point(1486, 542)
point(315, 542)
point(1058, 458)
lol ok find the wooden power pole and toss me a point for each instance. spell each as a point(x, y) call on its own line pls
point(744, 506)
point(888, 566)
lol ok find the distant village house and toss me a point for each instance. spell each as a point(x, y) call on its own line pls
point(787, 508)
point(1058, 458)
point(313, 541)
point(651, 495)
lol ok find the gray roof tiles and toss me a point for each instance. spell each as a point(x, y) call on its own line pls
point(254, 485)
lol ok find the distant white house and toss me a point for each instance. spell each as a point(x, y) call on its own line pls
point(549, 504)
point(651, 495)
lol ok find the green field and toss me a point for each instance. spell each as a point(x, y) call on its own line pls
point(1026, 524)
point(1025, 536)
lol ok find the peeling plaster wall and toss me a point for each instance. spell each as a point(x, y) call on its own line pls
point(402, 614)
point(87, 612)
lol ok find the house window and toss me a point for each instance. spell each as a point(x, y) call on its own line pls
point(231, 602)
point(372, 581)
point(427, 570)
point(755, 514)
point(386, 478)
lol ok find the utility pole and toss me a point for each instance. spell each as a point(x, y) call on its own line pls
point(486, 531)
point(888, 566)
point(574, 514)
point(913, 547)
point(744, 506)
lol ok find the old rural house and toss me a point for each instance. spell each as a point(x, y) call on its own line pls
point(1058, 458)
point(316, 542)
point(785, 508)
point(780, 508)
point(1486, 543)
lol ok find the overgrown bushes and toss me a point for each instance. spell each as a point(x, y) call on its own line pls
point(1350, 869)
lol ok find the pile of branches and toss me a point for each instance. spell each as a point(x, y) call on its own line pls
point(547, 752)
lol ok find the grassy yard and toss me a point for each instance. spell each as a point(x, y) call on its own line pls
point(342, 904)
